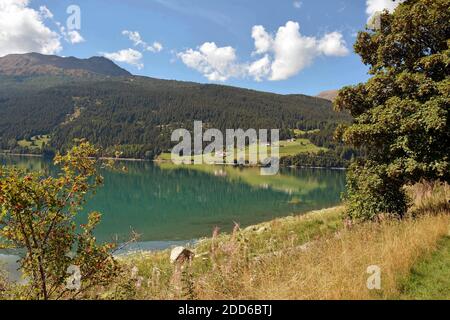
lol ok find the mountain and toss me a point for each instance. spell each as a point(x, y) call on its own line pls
point(136, 114)
point(32, 64)
point(328, 95)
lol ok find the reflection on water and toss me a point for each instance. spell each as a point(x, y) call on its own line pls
point(168, 203)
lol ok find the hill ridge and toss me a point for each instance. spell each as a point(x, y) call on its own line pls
point(32, 64)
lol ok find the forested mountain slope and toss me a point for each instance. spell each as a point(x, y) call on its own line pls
point(139, 113)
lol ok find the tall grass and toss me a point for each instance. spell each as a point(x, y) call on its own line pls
point(336, 267)
point(429, 198)
point(316, 256)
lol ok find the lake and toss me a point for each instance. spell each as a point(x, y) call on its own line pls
point(168, 204)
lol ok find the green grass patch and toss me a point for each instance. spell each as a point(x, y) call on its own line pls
point(25, 143)
point(299, 133)
point(291, 148)
point(284, 232)
point(430, 278)
point(286, 148)
point(36, 142)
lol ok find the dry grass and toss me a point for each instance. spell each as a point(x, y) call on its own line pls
point(335, 267)
point(429, 198)
point(222, 254)
point(308, 257)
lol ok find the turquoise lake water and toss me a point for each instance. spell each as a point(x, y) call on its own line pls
point(166, 204)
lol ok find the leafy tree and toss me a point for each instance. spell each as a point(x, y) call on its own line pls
point(401, 113)
point(11, 143)
point(37, 215)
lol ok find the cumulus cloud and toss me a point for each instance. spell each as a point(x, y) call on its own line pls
point(22, 29)
point(45, 12)
point(263, 41)
point(294, 52)
point(374, 6)
point(129, 56)
point(136, 38)
point(333, 44)
point(260, 69)
point(74, 37)
point(285, 54)
point(71, 36)
point(157, 46)
point(215, 63)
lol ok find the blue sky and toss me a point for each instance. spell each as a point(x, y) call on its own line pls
point(303, 46)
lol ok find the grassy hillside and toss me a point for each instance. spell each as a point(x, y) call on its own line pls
point(313, 256)
point(286, 148)
point(36, 142)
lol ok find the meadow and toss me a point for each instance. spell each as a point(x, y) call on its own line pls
point(286, 148)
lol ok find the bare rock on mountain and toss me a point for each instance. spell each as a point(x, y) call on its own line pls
point(31, 64)
point(328, 95)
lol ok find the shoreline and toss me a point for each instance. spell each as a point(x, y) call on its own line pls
point(148, 247)
point(41, 156)
point(155, 246)
point(22, 155)
point(328, 168)
point(257, 166)
point(125, 159)
point(165, 161)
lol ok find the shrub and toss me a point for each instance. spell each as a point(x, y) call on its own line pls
point(37, 215)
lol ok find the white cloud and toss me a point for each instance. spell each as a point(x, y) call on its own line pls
point(71, 36)
point(374, 6)
point(297, 4)
point(215, 63)
point(333, 44)
point(157, 46)
point(263, 41)
point(22, 29)
point(135, 37)
point(74, 37)
point(260, 69)
point(129, 56)
point(285, 54)
point(292, 51)
point(45, 12)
